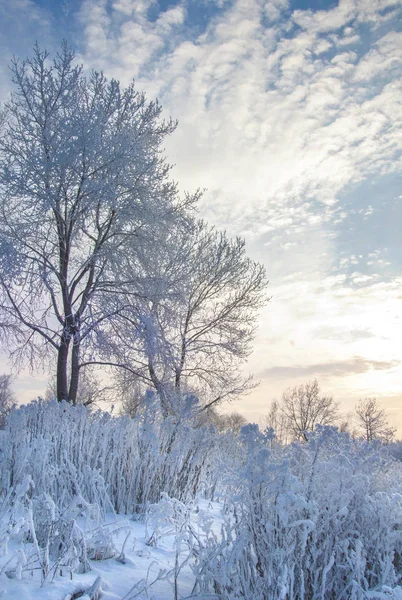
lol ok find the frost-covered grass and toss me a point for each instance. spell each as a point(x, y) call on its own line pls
point(115, 463)
point(317, 520)
point(125, 508)
point(131, 566)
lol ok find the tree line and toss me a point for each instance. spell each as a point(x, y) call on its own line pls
point(303, 407)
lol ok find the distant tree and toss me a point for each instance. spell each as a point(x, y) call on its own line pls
point(304, 407)
point(276, 419)
point(129, 393)
point(7, 398)
point(345, 424)
point(232, 421)
point(372, 421)
point(82, 183)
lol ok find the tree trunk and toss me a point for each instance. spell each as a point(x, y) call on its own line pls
point(62, 383)
point(160, 390)
point(177, 379)
point(179, 369)
point(75, 371)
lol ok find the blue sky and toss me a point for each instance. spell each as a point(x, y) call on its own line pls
point(290, 114)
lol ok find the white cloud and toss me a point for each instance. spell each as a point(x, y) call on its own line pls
point(131, 7)
point(120, 38)
point(384, 58)
point(273, 9)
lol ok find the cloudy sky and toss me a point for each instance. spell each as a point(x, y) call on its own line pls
point(290, 115)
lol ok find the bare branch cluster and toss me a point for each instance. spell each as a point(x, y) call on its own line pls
point(192, 323)
point(301, 408)
point(372, 421)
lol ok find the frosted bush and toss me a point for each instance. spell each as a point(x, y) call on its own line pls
point(111, 463)
point(319, 520)
point(168, 517)
point(100, 544)
point(63, 468)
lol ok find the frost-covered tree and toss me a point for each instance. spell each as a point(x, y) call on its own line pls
point(232, 422)
point(82, 183)
point(372, 421)
point(2, 117)
point(304, 407)
point(194, 331)
point(7, 398)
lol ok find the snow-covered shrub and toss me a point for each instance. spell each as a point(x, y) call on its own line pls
point(317, 520)
point(57, 544)
point(320, 519)
point(13, 508)
point(107, 463)
point(395, 449)
point(167, 517)
point(47, 541)
point(63, 468)
point(100, 544)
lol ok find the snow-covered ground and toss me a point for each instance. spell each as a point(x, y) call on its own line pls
point(144, 564)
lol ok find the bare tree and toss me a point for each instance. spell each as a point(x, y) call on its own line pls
point(129, 393)
point(304, 407)
point(233, 422)
point(195, 330)
point(81, 178)
point(7, 398)
point(278, 421)
point(372, 421)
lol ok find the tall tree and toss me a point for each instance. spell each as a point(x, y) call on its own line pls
point(82, 182)
point(91, 391)
point(195, 330)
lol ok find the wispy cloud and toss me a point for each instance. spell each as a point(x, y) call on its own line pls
point(355, 365)
point(277, 115)
point(334, 333)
